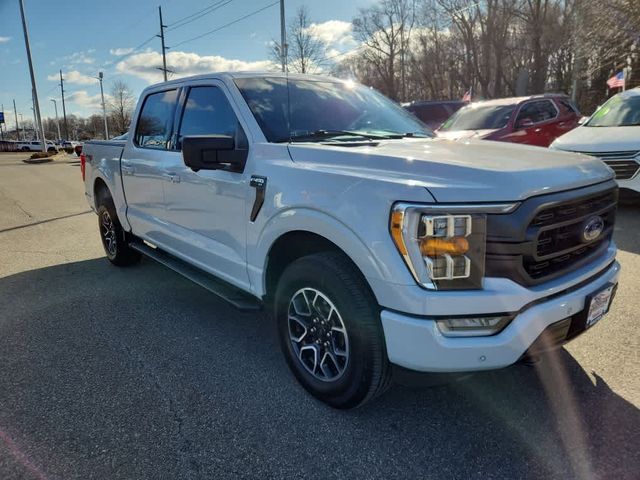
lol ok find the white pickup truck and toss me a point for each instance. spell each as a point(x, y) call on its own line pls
point(376, 247)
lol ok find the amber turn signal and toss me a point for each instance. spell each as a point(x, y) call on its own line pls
point(397, 219)
point(433, 247)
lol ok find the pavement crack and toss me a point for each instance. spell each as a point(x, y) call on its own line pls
point(40, 222)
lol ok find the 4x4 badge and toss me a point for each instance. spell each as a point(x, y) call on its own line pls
point(260, 184)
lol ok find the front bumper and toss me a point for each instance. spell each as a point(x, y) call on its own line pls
point(417, 343)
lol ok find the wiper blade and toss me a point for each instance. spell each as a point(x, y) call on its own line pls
point(323, 134)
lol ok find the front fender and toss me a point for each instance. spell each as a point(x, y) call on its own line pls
point(374, 259)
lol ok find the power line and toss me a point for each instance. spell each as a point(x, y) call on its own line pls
point(197, 15)
point(227, 24)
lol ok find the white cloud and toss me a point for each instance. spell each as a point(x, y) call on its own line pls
point(118, 52)
point(79, 58)
point(74, 76)
point(82, 99)
point(4, 39)
point(334, 33)
point(145, 65)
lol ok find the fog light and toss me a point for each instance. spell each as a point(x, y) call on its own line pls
point(472, 326)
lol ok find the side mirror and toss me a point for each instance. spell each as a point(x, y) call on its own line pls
point(212, 152)
point(525, 123)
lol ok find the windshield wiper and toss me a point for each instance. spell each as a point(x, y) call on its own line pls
point(324, 134)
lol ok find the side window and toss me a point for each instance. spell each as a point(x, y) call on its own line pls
point(571, 108)
point(154, 125)
point(537, 112)
point(208, 112)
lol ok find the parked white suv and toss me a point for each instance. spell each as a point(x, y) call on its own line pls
point(36, 146)
point(612, 134)
point(375, 246)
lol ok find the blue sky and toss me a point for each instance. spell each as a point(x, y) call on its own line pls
point(82, 37)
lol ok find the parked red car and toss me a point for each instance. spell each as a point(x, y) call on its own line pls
point(536, 120)
point(434, 113)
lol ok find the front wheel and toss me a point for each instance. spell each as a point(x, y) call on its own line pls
point(114, 238)
point(330, 331)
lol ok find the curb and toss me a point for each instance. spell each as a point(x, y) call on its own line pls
point(38, 160)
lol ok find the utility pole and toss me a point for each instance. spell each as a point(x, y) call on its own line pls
point(15, 112)
point(164, 49)
point(1, 130)
point(33, 78)
point(104, 109)
point(64, 110)
point(24, 137)
point(55, 106)
point(283, 38)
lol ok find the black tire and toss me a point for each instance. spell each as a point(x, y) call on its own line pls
point(366, 372)
point(115, 240)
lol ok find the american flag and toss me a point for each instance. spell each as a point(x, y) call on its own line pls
point(467, 96)
point(616, 81)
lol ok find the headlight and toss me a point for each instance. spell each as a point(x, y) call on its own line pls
point(444, 246)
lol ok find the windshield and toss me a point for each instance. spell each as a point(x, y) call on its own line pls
point(479, 117)
point(321, 109)
point(617, 112)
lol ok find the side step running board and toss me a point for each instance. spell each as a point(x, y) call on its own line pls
point(224, 290)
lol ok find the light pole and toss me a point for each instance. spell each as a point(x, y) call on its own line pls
point(104, 109)
point(55, 106)
point(33, 78)
point(283, 38)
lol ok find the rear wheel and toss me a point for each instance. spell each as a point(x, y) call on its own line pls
point(114, 239)
point(330, 331)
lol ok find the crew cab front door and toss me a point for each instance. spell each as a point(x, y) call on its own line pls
point(206, 213)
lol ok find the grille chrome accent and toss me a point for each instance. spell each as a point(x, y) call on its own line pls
point(624, 163)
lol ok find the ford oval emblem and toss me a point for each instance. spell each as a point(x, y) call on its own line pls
point(593, 228)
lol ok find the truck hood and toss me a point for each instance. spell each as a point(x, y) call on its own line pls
point(458, 171)
point(600, 139)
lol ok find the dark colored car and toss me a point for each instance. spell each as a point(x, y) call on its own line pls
point(536, 120)
point(434, 113)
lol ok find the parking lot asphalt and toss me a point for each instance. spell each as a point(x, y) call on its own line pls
point(137, 373)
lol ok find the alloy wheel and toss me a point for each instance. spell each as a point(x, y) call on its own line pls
point(318, 334)
point(108, 232)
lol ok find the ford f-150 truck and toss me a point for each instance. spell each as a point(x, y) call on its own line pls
point(376, 247)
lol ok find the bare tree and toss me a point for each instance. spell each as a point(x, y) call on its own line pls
point(121, 106)
point(385, 32)
point(305, 51)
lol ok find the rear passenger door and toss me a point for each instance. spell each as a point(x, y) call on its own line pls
point(143, 165)
point(207, 210)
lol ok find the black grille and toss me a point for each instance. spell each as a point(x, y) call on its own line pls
point(558, 232)
point(544, 237)
point(623, 163)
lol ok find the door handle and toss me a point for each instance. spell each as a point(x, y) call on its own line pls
point(537, 130)
point(171, 177)
point(126, 170)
